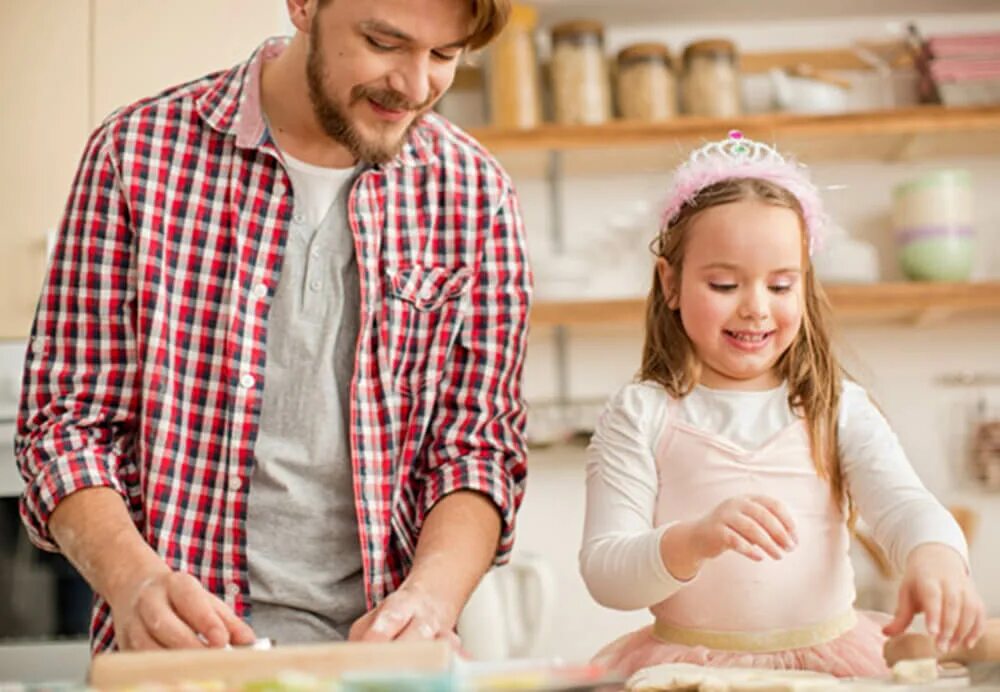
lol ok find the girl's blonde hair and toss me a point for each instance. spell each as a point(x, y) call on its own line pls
point(808, 366)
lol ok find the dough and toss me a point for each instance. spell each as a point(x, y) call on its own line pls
point(687, 676)
point(915, 671)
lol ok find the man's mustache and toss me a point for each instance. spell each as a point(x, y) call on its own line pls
point(388, 99)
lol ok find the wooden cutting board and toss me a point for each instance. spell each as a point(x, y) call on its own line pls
point(237, 666)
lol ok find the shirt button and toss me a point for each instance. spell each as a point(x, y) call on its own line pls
point(426, 294)
point(236, 481)
point(233, 589)
point(247, 381)
point(316, 285)
point(299, 218)
point(260, 291)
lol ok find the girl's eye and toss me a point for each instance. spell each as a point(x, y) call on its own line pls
point(721, 288)
point(444, 57)
point(377, 45)
point(781, 288)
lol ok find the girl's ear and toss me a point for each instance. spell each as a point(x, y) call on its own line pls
point(667, 283)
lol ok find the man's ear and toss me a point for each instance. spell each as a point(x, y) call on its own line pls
point(299, 13)
point(668, 277)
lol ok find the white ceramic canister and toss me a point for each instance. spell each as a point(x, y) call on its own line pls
point(932, 218)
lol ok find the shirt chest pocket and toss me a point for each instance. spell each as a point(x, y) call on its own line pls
point(422, 319)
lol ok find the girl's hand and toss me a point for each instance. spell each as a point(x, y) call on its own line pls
point(937, 584)
point(751, 525)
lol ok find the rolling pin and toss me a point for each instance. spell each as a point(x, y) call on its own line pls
point(914, 645)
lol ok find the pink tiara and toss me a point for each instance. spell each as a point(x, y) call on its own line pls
point(738, 157)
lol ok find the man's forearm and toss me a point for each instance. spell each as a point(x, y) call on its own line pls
point(94, 531)
point(457, 544)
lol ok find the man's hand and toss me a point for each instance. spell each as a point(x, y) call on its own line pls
point(152, 607)
point(751, 525)
point(172, 610)
point(456, 545)
point(406, 614)
point(936, 583)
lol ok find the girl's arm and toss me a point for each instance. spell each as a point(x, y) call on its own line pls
point(920, 535)
point(889, 496)
point(620, 558)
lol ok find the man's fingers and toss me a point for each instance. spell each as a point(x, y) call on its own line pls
point(160, 622)
point(418, 630)
point(240, 633)
point(390, 619)
point(138, 639)
point(193, 604)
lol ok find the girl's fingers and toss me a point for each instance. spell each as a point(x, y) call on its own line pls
point(737, 543)
point(779, 510)
point(755, 534)
point(966, 621)
point(979, 626)
point(904, 614)
point(772, 524)
point(929, 601)
point(951, 612)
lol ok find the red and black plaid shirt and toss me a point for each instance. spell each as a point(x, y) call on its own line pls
point(146, 362)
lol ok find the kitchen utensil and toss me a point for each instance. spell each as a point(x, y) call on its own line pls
point(982, 660)
point(803, 89)
point(510, 610)
point(243, 665)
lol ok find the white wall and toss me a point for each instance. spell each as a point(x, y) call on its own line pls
point(900, 363)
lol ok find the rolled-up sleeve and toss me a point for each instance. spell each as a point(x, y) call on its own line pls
point(75, 420)
point(477, 433)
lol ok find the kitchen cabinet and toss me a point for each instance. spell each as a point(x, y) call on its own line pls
point(142, 48)
point(45, 87)
point(68, 66)
point(915, 302)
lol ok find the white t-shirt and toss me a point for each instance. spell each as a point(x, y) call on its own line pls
point(628, 573)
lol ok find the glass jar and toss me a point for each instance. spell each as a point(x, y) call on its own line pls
point(647, 89)
point(710, 85)
point(580, 90)
point(514, 85)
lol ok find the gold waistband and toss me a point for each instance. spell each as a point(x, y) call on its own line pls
point(758, 642)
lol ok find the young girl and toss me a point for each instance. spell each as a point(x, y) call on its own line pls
point(721, 485)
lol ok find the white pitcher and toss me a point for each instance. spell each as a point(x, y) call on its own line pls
point(510, 611)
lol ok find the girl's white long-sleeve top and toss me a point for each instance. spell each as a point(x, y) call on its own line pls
point(620, 557)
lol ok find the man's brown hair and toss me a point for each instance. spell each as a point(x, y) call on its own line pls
point(489, 17)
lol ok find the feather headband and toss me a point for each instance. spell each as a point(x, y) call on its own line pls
point(739, 157)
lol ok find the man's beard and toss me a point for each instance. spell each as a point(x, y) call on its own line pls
point(333, 119)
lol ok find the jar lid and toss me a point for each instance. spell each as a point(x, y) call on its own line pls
point(523, 15)
point(714, 46)
point(644, 51)
point(577, 27)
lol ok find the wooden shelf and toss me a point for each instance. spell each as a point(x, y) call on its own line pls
point(893, 135)
point(908, 301)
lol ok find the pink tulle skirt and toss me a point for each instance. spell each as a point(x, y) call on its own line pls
point(856, 653)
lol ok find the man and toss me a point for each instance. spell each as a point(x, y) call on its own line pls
point(275, 370)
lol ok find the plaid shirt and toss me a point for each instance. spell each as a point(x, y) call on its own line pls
point(145, 366)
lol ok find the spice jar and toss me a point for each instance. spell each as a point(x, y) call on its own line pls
point(580, 90)
point(646, 86)
point(710, 85)
point(515, 91)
